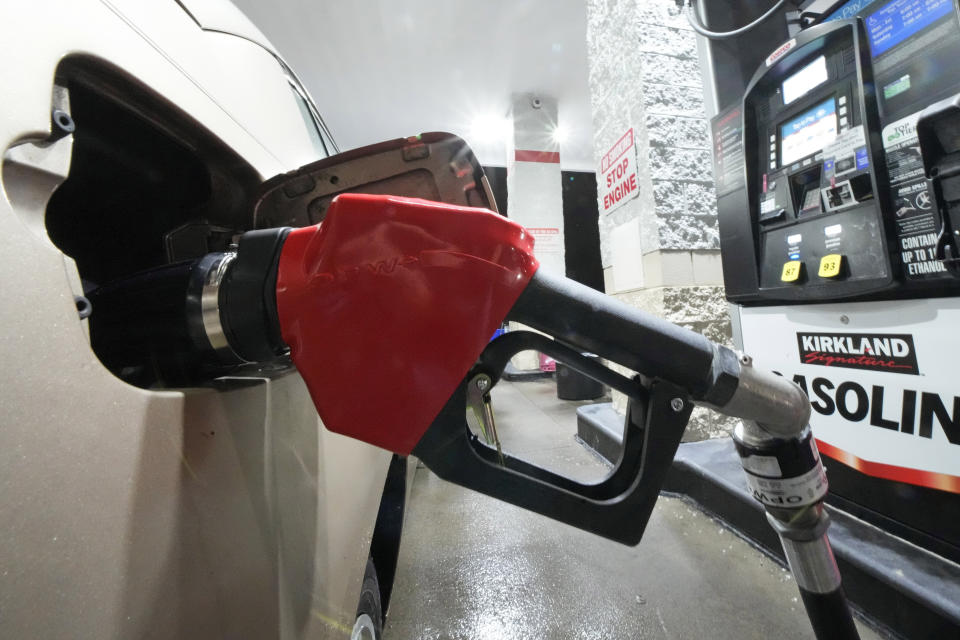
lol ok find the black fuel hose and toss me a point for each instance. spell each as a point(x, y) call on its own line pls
point(830, 615)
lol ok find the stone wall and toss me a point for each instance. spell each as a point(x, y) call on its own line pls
point(645, 74)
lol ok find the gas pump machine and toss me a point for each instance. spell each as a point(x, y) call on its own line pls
point(835, 156)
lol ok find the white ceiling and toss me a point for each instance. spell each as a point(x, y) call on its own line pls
point(381, 69)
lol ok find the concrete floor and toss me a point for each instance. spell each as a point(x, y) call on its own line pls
point(474, 568)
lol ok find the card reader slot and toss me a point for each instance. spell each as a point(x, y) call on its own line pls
point(805, 190)
point(862, 187)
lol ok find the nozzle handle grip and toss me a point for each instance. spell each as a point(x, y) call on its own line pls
point(617, 507)
point(592, 321)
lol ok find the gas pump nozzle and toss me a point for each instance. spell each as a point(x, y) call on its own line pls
point(938, 133)
point(388, 307)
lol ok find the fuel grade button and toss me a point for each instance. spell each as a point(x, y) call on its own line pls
point(831, 266)
point(792, 271)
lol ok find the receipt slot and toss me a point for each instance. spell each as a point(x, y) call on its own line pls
point(837, 169)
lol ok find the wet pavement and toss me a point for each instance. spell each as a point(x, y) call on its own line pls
point(471, 567)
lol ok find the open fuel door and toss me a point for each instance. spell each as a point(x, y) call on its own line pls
point(434, 166)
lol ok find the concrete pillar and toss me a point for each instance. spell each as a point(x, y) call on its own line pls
point(660, 250)
point(534, 186)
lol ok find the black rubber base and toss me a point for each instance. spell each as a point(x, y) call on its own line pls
point(513, 374)
point(909, 590)
point(600, 428)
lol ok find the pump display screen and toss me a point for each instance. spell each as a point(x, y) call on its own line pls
point(812, 75)
point(849, 9)
point(809, 132)
point(898, 20)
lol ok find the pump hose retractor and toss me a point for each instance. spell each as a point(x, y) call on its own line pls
point(694, 19)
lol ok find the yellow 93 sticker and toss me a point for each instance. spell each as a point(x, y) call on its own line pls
point(830, 265)
point(791, 271)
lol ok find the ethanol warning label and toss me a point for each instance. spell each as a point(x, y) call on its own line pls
point(917, 221)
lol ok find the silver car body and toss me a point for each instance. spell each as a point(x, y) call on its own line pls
point(225, 511)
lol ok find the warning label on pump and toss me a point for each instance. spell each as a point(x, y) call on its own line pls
point(793, 492)
point(618, 173)
point(728, 152)
point(546, 240)
point(917, 221)
point(844, 153)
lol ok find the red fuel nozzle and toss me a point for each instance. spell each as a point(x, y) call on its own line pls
point(388, 303)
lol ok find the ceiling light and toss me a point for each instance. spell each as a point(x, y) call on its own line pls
point(560, 134)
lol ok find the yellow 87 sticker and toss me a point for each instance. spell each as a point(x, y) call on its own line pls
point(830, 265)
point(791, 271)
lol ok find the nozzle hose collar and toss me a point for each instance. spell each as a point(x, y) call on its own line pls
point(248, 296)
